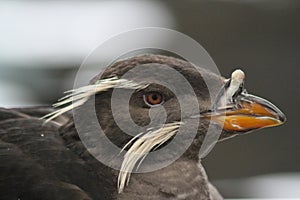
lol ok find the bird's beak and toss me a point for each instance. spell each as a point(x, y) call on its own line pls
point(248, 113)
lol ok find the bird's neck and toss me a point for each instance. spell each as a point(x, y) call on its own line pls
point(182, 179)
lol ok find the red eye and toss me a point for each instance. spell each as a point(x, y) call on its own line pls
point(153, 98)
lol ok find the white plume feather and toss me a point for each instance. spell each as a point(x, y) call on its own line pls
point(144, 143)
point(79, 96)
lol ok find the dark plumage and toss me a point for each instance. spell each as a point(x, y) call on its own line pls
point(49, 161)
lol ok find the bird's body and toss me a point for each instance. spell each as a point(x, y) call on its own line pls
point(50, 161)
point(38, 163)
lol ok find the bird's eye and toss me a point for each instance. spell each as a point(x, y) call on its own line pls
point(153, 98)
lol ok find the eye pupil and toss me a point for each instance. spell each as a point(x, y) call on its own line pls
point(154, 97)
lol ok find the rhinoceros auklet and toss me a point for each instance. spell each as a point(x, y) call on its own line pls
point(46, 158)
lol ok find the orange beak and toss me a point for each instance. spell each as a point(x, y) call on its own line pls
point(250, 112)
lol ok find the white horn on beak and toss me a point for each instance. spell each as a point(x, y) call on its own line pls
point(236, 83)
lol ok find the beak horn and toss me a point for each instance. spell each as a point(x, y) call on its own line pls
point(249, 113)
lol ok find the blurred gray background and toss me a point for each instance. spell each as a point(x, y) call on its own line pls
point(42, 43)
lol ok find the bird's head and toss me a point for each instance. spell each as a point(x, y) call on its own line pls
point(144, 103)
point(209, 99)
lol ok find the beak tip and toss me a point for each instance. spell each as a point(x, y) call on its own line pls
point(282, 118)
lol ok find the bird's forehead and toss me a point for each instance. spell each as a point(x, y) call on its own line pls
point(161, 70)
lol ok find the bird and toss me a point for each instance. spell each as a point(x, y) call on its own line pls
point(44, 155)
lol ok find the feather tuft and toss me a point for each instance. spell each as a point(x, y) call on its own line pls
point(141, 146)
point(79, 96)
